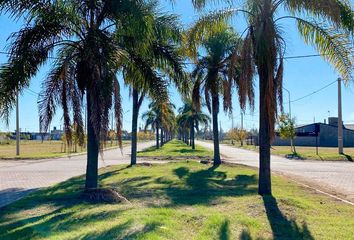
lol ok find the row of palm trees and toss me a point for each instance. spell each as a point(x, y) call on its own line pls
point(94, 40)
point(162, 120)
point(188, 120)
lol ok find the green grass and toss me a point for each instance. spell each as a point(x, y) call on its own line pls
point(184, 200)
point(176, 148)
point(324, 153)
point(32, 149)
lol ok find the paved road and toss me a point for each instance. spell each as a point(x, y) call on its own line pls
point(20, 177)
point(330, 176)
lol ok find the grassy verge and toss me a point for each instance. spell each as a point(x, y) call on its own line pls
point(31, 149)
point(184, 200)
point(176, 148)
point(324, 153)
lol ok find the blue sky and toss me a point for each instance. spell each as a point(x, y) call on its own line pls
point(301, 77)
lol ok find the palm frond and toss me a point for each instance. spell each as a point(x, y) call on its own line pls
point(333, 45)
point(339, 12)
point(205, 27)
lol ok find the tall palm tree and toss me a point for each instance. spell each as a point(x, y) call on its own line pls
point(216, 73)
point(82, 33)
point(327, 25)
point(152, 57)
point(190, 117)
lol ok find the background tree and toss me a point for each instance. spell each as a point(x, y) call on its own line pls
point(215, 73)
point(287, 130)
point(159, 116)
point(154, 61)
point(232, 135)
point(237, 134)
point(191, 118)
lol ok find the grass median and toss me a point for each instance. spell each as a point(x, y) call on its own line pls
point(183, 200)
point(176, 148)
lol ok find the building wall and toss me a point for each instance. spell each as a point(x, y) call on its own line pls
point(298, 141)
point(328, 137)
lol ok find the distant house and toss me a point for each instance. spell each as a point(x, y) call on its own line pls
point(319, 134)
point(56, 134)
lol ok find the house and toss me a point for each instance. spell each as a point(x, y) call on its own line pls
point(319, 134)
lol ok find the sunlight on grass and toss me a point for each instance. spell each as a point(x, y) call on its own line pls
point(33, 149)
point(184, 200)
point(176, 148)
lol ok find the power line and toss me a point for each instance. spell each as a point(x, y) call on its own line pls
point(314, 92)
point(28, 89)
point(191, 63)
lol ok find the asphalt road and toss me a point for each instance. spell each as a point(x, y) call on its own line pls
point(20, 177)
point(333, 177)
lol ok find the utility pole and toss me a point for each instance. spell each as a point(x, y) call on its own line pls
point(289, 101)
point(85, 110)
point(232, 121)
point(17, 127)
point(340, 122)
point(112, 124)
point(220, 131)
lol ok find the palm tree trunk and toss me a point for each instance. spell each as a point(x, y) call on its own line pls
point(92, 150)
point(192, 136)
point(215, 109)
point(264, 183)
point(134, 127)
point(161, 138)
point(157, 137)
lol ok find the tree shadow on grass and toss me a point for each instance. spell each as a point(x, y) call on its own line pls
point(205, 186)
point(224, 232)
point(348, 157)
point(282, 227)
point(108, 174)
point(187, 151)
point(124, 231)
point(192, 187)
point(149, 149)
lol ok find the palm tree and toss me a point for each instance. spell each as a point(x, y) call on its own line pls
point(160, 117)
point(216, 73)
point(82, 33)
point(328, 25)
point(190, 117)
point(151, 56)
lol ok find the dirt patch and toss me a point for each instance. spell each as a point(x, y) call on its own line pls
point(103, 195)
point(144, 164)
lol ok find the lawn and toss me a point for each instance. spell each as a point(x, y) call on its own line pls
point(176, 148)
point(31, 149)
point(324, 153)
point(184, 200)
